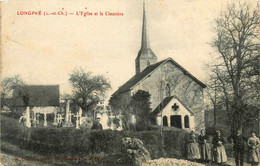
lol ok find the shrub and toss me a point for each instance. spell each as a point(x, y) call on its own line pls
point(174, 142)
point(71, 143)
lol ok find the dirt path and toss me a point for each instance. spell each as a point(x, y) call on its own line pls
point(10, 160)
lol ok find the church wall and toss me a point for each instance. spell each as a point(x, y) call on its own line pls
point(179, 84)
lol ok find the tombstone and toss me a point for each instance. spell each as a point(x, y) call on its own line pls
point(45, 120)
point(28, 118)
point(67, 111)
point(59, 119)
point(80, 115)
point(37, 119)
point(70, 117)
point(55, 119)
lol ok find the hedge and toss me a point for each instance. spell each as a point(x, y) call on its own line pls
point(71, 143)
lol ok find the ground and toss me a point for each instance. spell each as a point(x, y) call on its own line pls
point(10, 160)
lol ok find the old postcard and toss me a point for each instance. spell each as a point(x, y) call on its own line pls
point(113, 82)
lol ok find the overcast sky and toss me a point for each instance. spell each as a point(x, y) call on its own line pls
point(45, 49)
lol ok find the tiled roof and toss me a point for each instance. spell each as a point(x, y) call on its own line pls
point(138, 77)
point(39, 95)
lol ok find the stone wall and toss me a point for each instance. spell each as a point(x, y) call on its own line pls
point(169, 79)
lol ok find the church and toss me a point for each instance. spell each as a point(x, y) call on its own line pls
point(177, 98)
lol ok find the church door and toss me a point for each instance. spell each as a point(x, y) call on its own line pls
point(176, 121)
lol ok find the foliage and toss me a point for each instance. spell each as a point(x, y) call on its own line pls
point(123, 108)
point(140, 102)
point(138, 105)
point(87, 89)
point(235, 71)
point(8, 84)
point(71, 143)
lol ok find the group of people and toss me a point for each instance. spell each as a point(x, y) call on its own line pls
point(201, 150)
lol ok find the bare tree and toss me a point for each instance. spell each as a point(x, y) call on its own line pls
point(87, 89)
point(236, 69)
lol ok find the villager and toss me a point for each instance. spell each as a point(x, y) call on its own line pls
point(193, 152)
point(238, 141)
point(253, 149)
point(97, 125)
point(205, 149)
point(219, 151)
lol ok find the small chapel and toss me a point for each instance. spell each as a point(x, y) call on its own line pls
point(177, 98)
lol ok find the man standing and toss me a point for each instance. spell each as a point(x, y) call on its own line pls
point(97, 125)
point(238, 141)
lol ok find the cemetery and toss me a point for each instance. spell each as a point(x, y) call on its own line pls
point(69, 117)
point(161, 115)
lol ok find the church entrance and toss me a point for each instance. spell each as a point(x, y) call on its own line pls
point(176, 121)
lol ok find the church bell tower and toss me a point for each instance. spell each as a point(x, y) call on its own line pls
point(145, 55)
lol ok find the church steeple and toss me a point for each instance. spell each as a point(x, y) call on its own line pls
point(145, 55)
point(145, 39)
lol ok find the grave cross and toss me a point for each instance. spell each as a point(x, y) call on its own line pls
point(175, 107)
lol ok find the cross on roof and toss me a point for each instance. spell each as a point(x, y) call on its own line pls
point(175, 107)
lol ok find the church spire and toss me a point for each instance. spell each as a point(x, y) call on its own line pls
point(145, 55)
point(145, 39)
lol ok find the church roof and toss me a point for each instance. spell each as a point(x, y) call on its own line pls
point(148, 70)
point(165, 102)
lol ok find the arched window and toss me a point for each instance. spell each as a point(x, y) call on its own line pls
point(186, 122)
point(168, 90)
point(165, 121)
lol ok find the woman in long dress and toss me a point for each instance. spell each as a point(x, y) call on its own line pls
point(193, 152)
point(253, 149)
point(205, 149)
point(219, 151)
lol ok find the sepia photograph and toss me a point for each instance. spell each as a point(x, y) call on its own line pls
point(130, 83)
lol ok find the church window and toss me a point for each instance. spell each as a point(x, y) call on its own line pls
point(175, 107)
point(168, 90)
point(186, 122)
point(165, 121)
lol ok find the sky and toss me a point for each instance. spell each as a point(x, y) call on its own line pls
point(45, 49)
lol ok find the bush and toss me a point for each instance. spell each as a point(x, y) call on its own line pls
point(175, 142)
point(71, 143)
